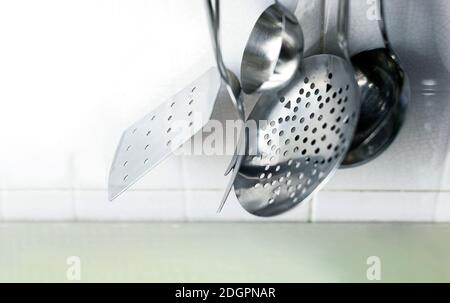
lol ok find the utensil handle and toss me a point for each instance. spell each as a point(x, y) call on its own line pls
point(214, 23)
point(214, 20)
point(342, 27)
point(383, 29)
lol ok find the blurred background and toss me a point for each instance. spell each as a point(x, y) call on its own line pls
point(75, 74)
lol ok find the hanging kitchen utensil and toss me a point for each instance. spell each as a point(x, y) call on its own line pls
point(271, 58)
point(303, 132)
point(385, 94)
point(156, 136)
point(150, 140)
point(273, 51)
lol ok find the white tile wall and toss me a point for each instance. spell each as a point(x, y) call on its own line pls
point(41, 205)
point(202, 206)
point(135, 205)
point(442, 212)
point(161, 205)
point(68, 99)
point(374, 206)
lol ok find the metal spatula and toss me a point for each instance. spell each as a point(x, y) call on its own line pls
point(150, 140)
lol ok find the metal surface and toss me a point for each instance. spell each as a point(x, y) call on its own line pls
point(304, 131)
point(153, 138)
point(385, 94)
point(273, 52)
point(271, 59)
point(150, 140)
point(309, 128)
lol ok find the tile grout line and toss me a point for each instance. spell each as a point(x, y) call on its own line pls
point(184, 193)
point(2, 198)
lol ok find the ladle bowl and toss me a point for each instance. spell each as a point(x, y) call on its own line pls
point(273, 52)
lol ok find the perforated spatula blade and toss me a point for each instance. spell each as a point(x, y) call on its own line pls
point(153, 138)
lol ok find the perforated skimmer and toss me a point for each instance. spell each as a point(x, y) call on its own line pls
point(303, 133)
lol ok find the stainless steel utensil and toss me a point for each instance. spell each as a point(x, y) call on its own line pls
point(156, 136)
point(150, 140)
point(385, 94)
point(271, 58)
point(304, 131)
point(273, 52)
point(153, 138)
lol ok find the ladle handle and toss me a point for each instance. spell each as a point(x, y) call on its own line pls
point(383, 29)
point(342, 27)
point(214, 23)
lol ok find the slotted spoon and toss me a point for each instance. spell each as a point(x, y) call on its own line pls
point(303, 132)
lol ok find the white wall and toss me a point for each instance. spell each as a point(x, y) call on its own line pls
point(74, 74)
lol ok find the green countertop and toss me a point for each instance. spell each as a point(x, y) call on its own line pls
point(234, 252)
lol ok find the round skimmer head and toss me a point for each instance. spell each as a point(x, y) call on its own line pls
point(303, 133)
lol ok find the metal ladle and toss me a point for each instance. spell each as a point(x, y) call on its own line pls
point(303, 132)
point(273, 51)
point(271, 58)
point(385, 94)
